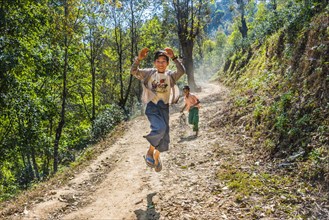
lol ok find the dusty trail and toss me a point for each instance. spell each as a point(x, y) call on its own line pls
point(118, 184)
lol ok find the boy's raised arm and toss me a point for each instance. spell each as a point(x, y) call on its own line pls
point(179, 66)
point(135, 71)
point(180, 69)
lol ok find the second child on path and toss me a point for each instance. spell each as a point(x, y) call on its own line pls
point(157, 84)
point(192, 106)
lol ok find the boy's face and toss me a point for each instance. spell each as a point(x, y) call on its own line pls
point(186, 91)
point(161, 64)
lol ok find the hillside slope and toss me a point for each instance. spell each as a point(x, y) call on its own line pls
point(281, 95)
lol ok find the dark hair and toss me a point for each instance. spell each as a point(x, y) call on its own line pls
point(160, 53)
point(186, 87)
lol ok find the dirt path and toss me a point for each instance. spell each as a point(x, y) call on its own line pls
point(118, 184)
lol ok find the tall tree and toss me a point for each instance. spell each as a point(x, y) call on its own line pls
point(95, 12)
point(119, 30)
point(126, 21)
point(241, 8)
point(190, 16)
point(68, 24)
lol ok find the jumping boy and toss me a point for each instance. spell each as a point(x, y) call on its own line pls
point(192, 106)
point(157, 83)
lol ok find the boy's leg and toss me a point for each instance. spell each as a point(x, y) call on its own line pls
point(164, 143)
point(195, 119)
point(158, 116)
point(190, 116)
point(157, 123)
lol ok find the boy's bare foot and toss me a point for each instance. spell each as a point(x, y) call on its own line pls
point(156, 157)
point(158, 168)
point(152, 159)
point(149, 157)
point(157, 162)
point(150, 151)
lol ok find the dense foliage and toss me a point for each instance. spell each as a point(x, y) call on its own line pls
point(280, 77)
point(65, 80)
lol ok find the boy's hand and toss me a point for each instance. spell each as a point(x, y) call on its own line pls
point(143, 53)
point(169, 52)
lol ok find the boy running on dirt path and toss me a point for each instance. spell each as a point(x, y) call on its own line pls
point(192, 106)
point(157, 83)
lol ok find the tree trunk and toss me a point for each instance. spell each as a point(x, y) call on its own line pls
point(93, 74)
point(188, 18)
point(62, 119)
point(45, 163)
point(274, 5)
point(30, 171)
point(64, 94)
point(35, 165)
point(93, 83)
point(243, 28)
point(187, 49)
point(133, 53)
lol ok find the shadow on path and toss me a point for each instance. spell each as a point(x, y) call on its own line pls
point(189, 138)
point(149, 213)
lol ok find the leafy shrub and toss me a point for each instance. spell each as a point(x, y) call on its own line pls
point(8, 187)
point(106, 121)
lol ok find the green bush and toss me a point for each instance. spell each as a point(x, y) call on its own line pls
point(106, 121)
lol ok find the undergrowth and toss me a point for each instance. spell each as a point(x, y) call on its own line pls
point(281, 95)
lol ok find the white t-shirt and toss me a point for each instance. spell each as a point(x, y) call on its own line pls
point(160, 85)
